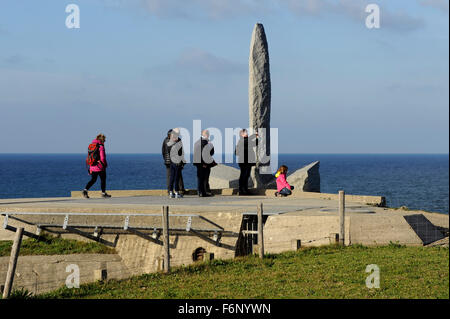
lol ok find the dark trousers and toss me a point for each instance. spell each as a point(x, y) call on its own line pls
point(175, 173)
point(245, 175)
point(203, 179)
point(94, 176)
point(181, 183)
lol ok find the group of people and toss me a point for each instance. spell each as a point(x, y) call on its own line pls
point(174, 160)
point(173, 155)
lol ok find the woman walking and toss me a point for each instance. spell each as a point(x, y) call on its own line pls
point(97, 163)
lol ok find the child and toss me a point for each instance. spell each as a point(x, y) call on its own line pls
point(283, 187)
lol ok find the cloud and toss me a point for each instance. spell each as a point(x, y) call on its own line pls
point(355, 10)
point(437, 4)
point(204, 61)
point(220, 9)
point(400, 21)
point(198, 61)
point(15, 59)
point(207, 9)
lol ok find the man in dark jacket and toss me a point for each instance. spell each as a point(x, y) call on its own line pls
point(166, 156)
point(246, 159)
point(203, 152)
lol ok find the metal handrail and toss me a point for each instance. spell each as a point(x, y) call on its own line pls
point(67, 227)
point(94, 214)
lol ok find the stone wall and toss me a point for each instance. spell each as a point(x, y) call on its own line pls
point(143, 256)
point(135, 255)
point(39, 274)
point(381, 230)
point(281, 232)
point(307, 178)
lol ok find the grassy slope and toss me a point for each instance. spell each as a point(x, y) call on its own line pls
point(325, 272)
point(49, 245)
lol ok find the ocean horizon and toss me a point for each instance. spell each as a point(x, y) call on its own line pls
point(414, 180)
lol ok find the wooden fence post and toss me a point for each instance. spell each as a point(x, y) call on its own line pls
point(13, 263)
point(260, 231)
point(342, 218)
point(165, 220)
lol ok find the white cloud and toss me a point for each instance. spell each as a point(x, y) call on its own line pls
point(209, 9)
point(15, 59)
point(204, 61)
point(198, 61)
point(355, 10)
point(438, 4)
point(221, 9)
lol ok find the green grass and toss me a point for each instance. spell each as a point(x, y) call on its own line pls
point(49, 245)
point(324, 272)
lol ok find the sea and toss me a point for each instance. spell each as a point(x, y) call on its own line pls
point(417, 181)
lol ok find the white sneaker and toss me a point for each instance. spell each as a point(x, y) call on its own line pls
point(171, 195)
point(178, 195)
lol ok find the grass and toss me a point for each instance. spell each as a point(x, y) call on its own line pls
point(323, 272)
point(50, 245)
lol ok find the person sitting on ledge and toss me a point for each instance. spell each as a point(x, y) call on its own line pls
point(283, 187)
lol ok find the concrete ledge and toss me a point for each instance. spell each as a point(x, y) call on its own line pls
point(379, 201)
point(150, 192)
point(39, 274)
point(282, 232)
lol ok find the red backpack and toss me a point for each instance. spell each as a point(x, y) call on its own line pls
point(93, 156)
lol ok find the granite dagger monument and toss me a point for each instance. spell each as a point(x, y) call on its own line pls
point(305, 179)
point(259, 96)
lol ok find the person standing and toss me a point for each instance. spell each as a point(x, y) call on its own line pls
point(246, 158)
point(203, 152)
point(176, 153)
point(166, 157)
point(97, 165)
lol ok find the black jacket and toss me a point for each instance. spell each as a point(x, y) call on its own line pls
point(165, 152)
point(242, 150)
point(198, 150)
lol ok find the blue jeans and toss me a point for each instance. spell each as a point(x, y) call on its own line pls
point(285, 192)
point(175, 173)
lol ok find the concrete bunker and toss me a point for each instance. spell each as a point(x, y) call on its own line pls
point(199, 254)
point(248, 235)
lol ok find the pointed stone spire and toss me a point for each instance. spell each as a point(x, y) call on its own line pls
point(259, 95)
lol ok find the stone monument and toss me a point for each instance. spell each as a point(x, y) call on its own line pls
point(259, 105)
point(259, 95)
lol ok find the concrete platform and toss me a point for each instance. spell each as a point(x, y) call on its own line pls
point(367, 224)
point(311, 219)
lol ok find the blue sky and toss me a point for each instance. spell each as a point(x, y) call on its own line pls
point(136, 68)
